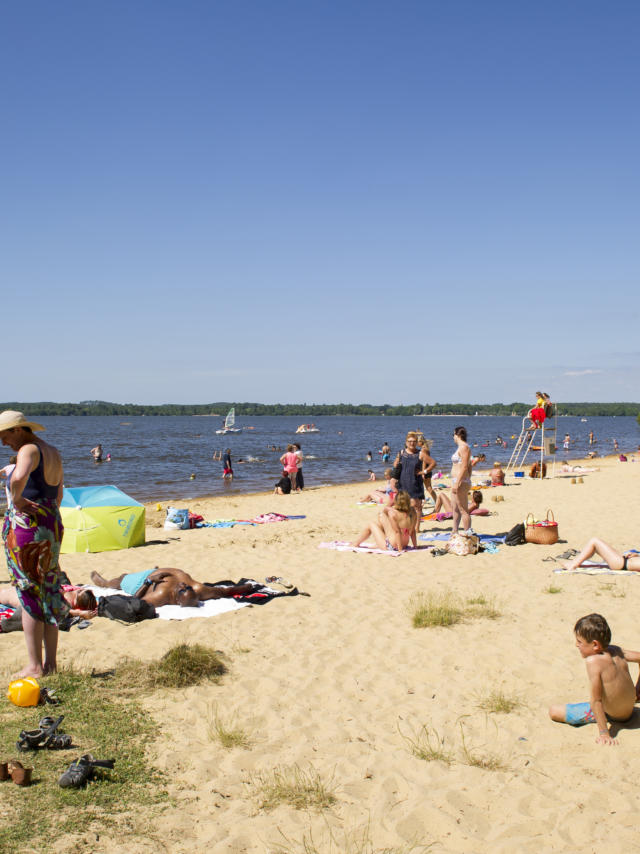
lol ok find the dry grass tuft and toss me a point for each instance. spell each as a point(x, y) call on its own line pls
point(485, 761)
point(227, 732)
point(180, 667)
point(445, 608)
point(435, 609)
point(294, 786)
point(427, 745)
point(358, 841)
point(500, 703)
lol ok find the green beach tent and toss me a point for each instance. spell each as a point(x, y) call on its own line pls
point(100, 519)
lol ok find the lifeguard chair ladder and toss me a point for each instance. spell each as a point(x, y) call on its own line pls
point(525, 444)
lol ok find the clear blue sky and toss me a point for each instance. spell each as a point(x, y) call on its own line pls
point(303, 201)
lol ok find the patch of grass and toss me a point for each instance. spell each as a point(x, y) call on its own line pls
point(103, 722)
point(427, 746)
point(227, 732)
point(483, 607)
point(294, 786)
point(552, 589)
point(445, 608)
point(486, 761)
point(435, 609)
point(355, 842)
point(498, 702)
point(180, 667)
point(614, 591)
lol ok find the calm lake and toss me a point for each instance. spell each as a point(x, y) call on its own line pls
point(153, 457)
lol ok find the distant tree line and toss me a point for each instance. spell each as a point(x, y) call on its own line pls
point(101, 407)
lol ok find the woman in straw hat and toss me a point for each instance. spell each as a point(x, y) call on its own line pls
point(32, 533)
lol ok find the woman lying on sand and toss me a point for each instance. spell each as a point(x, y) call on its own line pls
point(81, 602)
point(614, 559)
point(394, 527)
point(443, 504)
point(386, 495)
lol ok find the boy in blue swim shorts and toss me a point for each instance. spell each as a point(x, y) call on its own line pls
point(613, 694)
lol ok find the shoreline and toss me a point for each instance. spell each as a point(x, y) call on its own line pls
point(587, 461)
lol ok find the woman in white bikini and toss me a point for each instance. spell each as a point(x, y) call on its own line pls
point(460, 482)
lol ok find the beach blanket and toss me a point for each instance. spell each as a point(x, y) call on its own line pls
point(341, 546)
point(430, 536)
point(262, 519)
point(597, 567)
point(212, 607)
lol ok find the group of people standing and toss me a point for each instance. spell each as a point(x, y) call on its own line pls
point(292, 479)
point(398, 522)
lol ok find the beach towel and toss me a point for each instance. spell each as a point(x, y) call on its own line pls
point(429, 536)
point(212, 607)
point(597, 567)
point(10, 619)
point(340, 546)
point(259, 520)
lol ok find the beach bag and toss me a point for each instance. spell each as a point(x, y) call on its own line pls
point(459, 544)
point(127, 609)
point(543, 533)
point(515, 537)
point(176, 519)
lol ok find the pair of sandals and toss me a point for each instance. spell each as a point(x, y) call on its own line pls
point(564, 556)
point(46, 736)
point(14, 770)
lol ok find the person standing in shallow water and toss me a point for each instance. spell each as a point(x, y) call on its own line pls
point(32, 533)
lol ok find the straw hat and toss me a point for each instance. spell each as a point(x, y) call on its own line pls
point(10, 418)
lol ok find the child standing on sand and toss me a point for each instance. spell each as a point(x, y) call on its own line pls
point(613, 694)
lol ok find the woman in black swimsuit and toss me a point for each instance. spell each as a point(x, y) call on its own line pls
point(613, 558)
point(411, 471)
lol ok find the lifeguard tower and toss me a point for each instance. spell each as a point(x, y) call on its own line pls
point(536, 443)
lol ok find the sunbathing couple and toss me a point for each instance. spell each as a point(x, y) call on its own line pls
point(170, 587)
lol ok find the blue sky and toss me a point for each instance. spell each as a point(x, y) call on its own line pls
point(320, 202)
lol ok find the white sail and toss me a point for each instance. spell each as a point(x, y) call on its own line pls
point(230, 420)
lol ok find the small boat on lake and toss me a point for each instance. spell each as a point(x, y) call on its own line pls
point(229, 424)
point(307, 428)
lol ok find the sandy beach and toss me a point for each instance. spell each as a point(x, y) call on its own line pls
point(339, 682)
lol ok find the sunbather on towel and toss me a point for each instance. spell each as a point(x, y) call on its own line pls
point(613, 558)
point(169, 587)
point(394, 527)
point(443, 505)
point(81, 602)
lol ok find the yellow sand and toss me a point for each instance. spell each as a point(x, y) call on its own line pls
point(333, 681)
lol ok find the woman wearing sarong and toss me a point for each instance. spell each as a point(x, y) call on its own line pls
point(32, 533)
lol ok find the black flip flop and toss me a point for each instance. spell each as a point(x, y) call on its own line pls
point(82, 770)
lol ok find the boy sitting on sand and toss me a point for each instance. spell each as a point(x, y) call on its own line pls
point(613, 694)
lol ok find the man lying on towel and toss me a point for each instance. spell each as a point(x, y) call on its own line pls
point(169, 587)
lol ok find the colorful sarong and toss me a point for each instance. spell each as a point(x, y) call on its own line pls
point(32, 546)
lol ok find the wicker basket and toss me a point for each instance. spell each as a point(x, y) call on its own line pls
point(543, 533)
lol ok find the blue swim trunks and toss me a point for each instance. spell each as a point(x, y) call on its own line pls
point(579, 714)
point(133, 581)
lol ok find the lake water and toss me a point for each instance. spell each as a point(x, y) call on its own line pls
point(153, 457)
